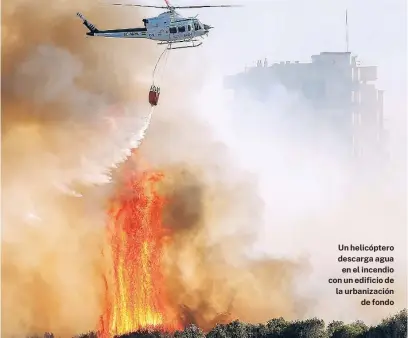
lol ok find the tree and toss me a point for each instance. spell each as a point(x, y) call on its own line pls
point(334, 326)
point(277, 327)
point(257, 331)
point(310, 328)
point(217, 332)
point(393, 327)
point(340, 330)
point(191, 331)
point(236, 329)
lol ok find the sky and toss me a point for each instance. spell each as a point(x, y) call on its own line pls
point(294, 30)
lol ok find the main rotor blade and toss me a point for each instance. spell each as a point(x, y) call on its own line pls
point(174, 7)
point(132, 5)
point(206, 6)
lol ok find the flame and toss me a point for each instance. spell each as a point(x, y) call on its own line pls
point(137, 298)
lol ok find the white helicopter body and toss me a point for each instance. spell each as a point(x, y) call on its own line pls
point(167, 28)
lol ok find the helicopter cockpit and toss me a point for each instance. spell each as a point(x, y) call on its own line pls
point(197, 25)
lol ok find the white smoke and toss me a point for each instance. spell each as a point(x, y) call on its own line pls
point(315, 198)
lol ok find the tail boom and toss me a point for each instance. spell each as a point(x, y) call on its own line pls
point(140, 33)
point(135, 33)
point(91, 27)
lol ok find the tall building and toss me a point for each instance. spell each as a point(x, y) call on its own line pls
point(334, 84)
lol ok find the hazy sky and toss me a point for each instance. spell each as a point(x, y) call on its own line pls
point(296, 29)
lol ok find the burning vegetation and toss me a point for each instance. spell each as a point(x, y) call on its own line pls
point(136, 294)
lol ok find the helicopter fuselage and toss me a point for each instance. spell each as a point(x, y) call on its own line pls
point(166, 27)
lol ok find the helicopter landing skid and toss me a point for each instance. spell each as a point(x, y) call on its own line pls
point(189, 44)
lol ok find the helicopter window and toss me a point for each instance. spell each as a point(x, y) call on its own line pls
point(197, 26)
point(173, 30)
point(189, 27)
point(182, 29)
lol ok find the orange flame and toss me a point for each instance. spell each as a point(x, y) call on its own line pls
point(137, 298)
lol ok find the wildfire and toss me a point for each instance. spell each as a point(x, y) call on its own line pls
point(136, 299)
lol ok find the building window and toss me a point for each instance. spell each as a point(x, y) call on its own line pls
point(354, 147)
point(356, 119)
point(358, 98)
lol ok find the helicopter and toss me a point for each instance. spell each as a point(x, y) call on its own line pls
point(167, 28)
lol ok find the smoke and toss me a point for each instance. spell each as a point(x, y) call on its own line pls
point(71, 108)
point(315, 197)
point(61, 136)
point(215, 213)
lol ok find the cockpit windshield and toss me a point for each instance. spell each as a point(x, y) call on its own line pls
point(197, 25)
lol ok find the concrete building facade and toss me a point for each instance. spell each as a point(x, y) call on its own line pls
point(334, 84)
